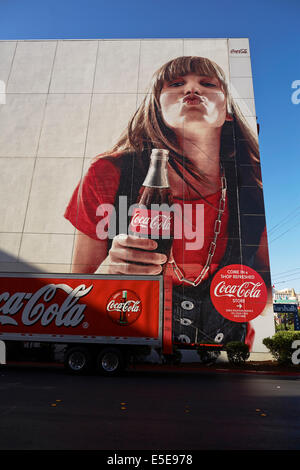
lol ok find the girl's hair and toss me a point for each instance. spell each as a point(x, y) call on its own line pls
point(146, 129)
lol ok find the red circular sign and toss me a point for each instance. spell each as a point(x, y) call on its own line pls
point(124, 307)
point(238, 293)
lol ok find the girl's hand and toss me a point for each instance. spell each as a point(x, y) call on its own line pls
point(132, 255)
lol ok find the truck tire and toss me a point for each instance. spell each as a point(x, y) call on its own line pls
point(77, 360)
point(110, 361)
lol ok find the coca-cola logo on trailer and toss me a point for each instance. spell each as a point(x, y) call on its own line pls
point(40, 306)
point(238, 293)
point(124, 307)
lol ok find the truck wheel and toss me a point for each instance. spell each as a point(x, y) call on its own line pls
point(77, 360)
point(110, 361)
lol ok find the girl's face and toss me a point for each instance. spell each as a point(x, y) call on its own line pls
point(193, 100)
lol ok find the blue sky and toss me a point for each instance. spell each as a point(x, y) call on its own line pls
point(273, 29)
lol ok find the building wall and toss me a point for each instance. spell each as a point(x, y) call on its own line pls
point(65, 102)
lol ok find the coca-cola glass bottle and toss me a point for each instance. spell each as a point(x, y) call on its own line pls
point(152, 216)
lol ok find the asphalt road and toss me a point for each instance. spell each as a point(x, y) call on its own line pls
point(45, 408)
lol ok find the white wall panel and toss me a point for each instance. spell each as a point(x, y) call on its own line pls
point(24, 267)
point(31, 70)
point(154, 54)
point(240, 67)
point(74, 67)
point(252, 123)
point(7, 50)
point(15, 181)
point(46, 248)
point(140, 98)
point(20, 123)
point(117, 67)
point(65, 125)
point(241, 87)
point(262, 324)
point(86, 164)
point(16, 267)
point(110, 114)
point(247, 106)
point(9, 247)
point(54, 181)
point(213, 49)
point(45, 267)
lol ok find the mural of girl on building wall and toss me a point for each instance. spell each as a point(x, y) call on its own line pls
point(213, 161)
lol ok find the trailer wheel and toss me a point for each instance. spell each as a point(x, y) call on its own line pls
point(110, 361)
point(77, 360)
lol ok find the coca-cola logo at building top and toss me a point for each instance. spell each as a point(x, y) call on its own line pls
point(124, 307)
point(238, 51)
point(238, 293)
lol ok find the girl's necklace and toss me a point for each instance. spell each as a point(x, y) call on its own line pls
point(212, 248)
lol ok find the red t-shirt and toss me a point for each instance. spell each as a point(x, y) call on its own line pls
point(100, 185)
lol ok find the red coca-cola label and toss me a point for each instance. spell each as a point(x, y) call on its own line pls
point(124, 307)
point(238, 293)
point(151, 222)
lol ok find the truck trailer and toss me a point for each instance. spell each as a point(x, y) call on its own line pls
point(101, 320)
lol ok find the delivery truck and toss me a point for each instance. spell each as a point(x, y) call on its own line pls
point(100, 320)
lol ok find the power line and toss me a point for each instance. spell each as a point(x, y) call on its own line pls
point(281, 235)
point(282, 278)
point(274, 228)
point(289, 270)
point(287, 280)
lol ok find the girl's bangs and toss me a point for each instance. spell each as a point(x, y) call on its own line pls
point(185, 65)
